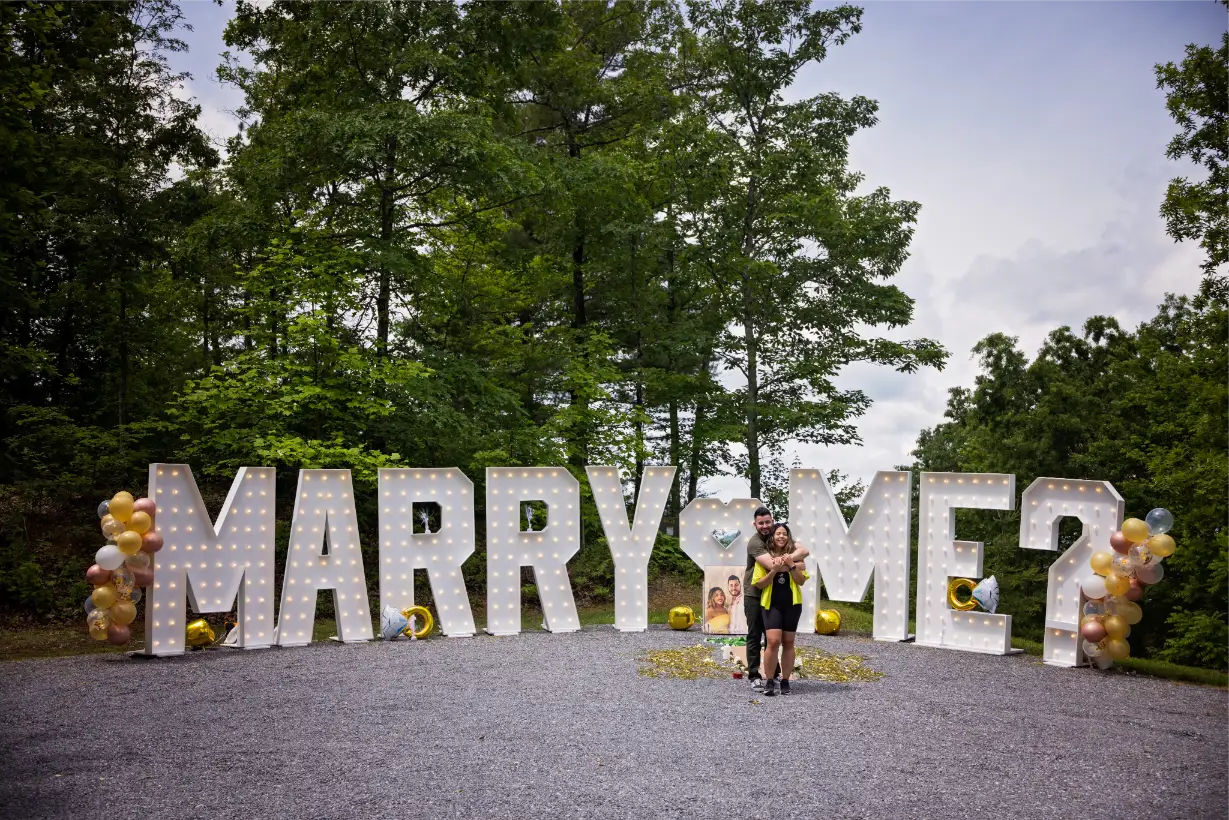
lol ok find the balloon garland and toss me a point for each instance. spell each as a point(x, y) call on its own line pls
point(1121, 577)
point(122, 567)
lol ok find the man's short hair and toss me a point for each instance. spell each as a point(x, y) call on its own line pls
point(762, 511)
point(734, 578)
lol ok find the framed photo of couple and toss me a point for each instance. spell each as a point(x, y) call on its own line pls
point(722, 603)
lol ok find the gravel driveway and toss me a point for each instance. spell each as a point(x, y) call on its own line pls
point(562, 726)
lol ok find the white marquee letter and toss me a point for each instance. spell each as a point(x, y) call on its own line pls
point(547, 551)
point(941, 557)
point(631, 546)
point(875, 545)
point(214, 565)
point(323, 515)
point(441, 553)
point(1099, 508)
point(702, 516)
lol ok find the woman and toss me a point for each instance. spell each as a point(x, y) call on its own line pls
point(716, 616)
point(781, 598)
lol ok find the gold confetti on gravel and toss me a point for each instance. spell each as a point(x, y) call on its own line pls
point(701, 662)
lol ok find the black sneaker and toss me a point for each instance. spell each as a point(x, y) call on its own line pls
point(770, 688)
point(784, 687)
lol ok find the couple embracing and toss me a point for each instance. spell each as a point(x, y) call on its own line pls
point(772, 601)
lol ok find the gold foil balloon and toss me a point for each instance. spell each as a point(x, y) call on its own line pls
point(681, 617)
point(1117, 648)
point(104, 596)
point(111, 528)
point(1162, 546)
point(1136, 531)
point(123, 612)
point(425, 621)
point(1116, 584)
point(1116, 626)
point(129, 542)
point(121, 506)
point(827, 621)
point(1102, 562)
point(140, 522)
point(954, 601)
point(200, 633)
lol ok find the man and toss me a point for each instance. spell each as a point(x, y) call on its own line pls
point(738, 617)
point(757, 552)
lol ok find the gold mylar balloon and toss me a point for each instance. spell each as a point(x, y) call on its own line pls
point(681, 617)
point(425, 620)
point(200, 633)
point(1162, 546)
point(1136, 531)
point(1116, 584)
point(954, 601)
point(129, 542)
point(104, 596)
point(140, 522)
point(1102, 563)
point(123, 612)
point(1116, 626)
point(1117, 648)
point(120, 507)
point(827, 621)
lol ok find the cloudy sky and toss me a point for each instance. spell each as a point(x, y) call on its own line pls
point(1034, 137)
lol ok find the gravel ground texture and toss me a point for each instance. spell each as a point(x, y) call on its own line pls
point(562, 726)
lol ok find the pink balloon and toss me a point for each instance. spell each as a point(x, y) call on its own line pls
point(145, 505)
point(1150, 573)
point(118, 634)
point(97, 576)
point(141, 578)
point(1093, 631)
point(1136, 592)
point(151, 542)
point(1120, 543)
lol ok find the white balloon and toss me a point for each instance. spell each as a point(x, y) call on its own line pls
point(1103, 662)
point(1094, 588)
point(109, 557)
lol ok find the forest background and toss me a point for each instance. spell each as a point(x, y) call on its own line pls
point(488, 234)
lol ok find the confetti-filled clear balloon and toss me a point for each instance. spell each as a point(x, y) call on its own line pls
point(123, 580)
point(1122, 564)
point(98, 618)
point(104, 508)
point(1139, 555)
point(1159, 521)
point(1092, 650)
point(111, 528)
point(1093, 608)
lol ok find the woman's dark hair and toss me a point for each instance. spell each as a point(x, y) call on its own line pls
point(772, 536)
point(715, 591)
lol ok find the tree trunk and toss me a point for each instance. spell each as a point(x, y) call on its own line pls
point(123, 354)
point(387, 206)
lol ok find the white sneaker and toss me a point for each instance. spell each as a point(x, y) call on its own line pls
point(757, 685)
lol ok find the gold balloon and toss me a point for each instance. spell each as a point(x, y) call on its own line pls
point(1117, 648)
point(954, 601)
point(129, 542)
point(1162, 546)
point(425, 619)
point(1116, 626)
point(1102, 563)
point(827, 621)
point(123, 612)
point(1136, 531)
point(120, 506)
point(681, 617)
point(200, 633)
point(104, 596)
point(1116, 584)
point(140, 522)
point(1131, 612)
